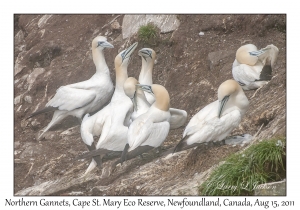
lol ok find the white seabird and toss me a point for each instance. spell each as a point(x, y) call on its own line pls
point(111, 123)
point(148, 55)
point(141, 105)
point(216, 120)
point(252, 68)
point(150, 129)
point(82, 97)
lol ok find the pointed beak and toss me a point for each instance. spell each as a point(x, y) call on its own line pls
point(129, 51)
point(146, 88)
point(133, 99)
point(106, 44)
point(145, 53)
point(222, 105)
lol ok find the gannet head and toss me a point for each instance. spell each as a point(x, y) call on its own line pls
point(162, 98)
point(228, 91)
point(122, 59)
point(243, 56)
point(130, 89)
point(100, 42)
point(147, 54)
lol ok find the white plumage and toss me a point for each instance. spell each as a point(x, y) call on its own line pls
point(141, 105)
point(83, 97)
point(252, 68)
point(178, 116)
point(216, 120)
point(113, 120)
point(151, 128)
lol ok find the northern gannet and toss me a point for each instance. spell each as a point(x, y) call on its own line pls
point(141, 105)
point(111, 123)
point(148, 57)
point(150, 129)
point(82, 97)
point(178, 116)
point(252, 68)
point(216, 120)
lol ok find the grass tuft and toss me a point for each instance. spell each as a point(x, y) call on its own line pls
point(241, 173)
point(148, 33)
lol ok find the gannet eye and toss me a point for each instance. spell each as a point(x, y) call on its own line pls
point(123, 55)
point(100, 43)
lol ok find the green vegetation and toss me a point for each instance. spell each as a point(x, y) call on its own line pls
point(261, 163)
point(148, 33)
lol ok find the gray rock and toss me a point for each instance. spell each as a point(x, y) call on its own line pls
point(215, 58)
point(34, 123)
point(18, 99)
point(33, 150)
point(273, 188)
point(18, 64)
point(55, 186)
point(42, 22)
point(132, 23)
point(32, 77)
point(28, 99)
point(19, 38)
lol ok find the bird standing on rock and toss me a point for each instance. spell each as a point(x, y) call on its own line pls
point(216, 120)
point(83, 97)
point(252, 68)
point(111, 123)
point(150, 129)
point(141, 105)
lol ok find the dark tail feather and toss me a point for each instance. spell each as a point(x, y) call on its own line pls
point(180, 145)
point(47, 109)
point(93, 153)
point(138, 151)
point(124, 153)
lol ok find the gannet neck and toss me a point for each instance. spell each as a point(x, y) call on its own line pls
point(145, 76)
point(141, 100)
point(230, 95)
point(99, 61)
point(121, 76)
point(162, 98)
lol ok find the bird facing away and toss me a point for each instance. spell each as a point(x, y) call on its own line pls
point(111, 123)
point(141, 105)
point(252, 68)
point(216, 120)
point(83, 97)
point(178, 116)
point(150, 129)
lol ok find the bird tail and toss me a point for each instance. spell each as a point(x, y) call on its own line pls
point(44, 110)
point(180, 145)
point(124, 153)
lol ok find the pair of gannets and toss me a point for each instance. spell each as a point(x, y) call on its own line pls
point(83, 97)
point(178, 116)
point(111, 123)
point(216, 120)
point(252, 68)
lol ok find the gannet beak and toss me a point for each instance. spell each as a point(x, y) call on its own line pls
point(222, 105)
point(127, 53)
point(146, 88)
point(145, 53)
point(105, 44)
